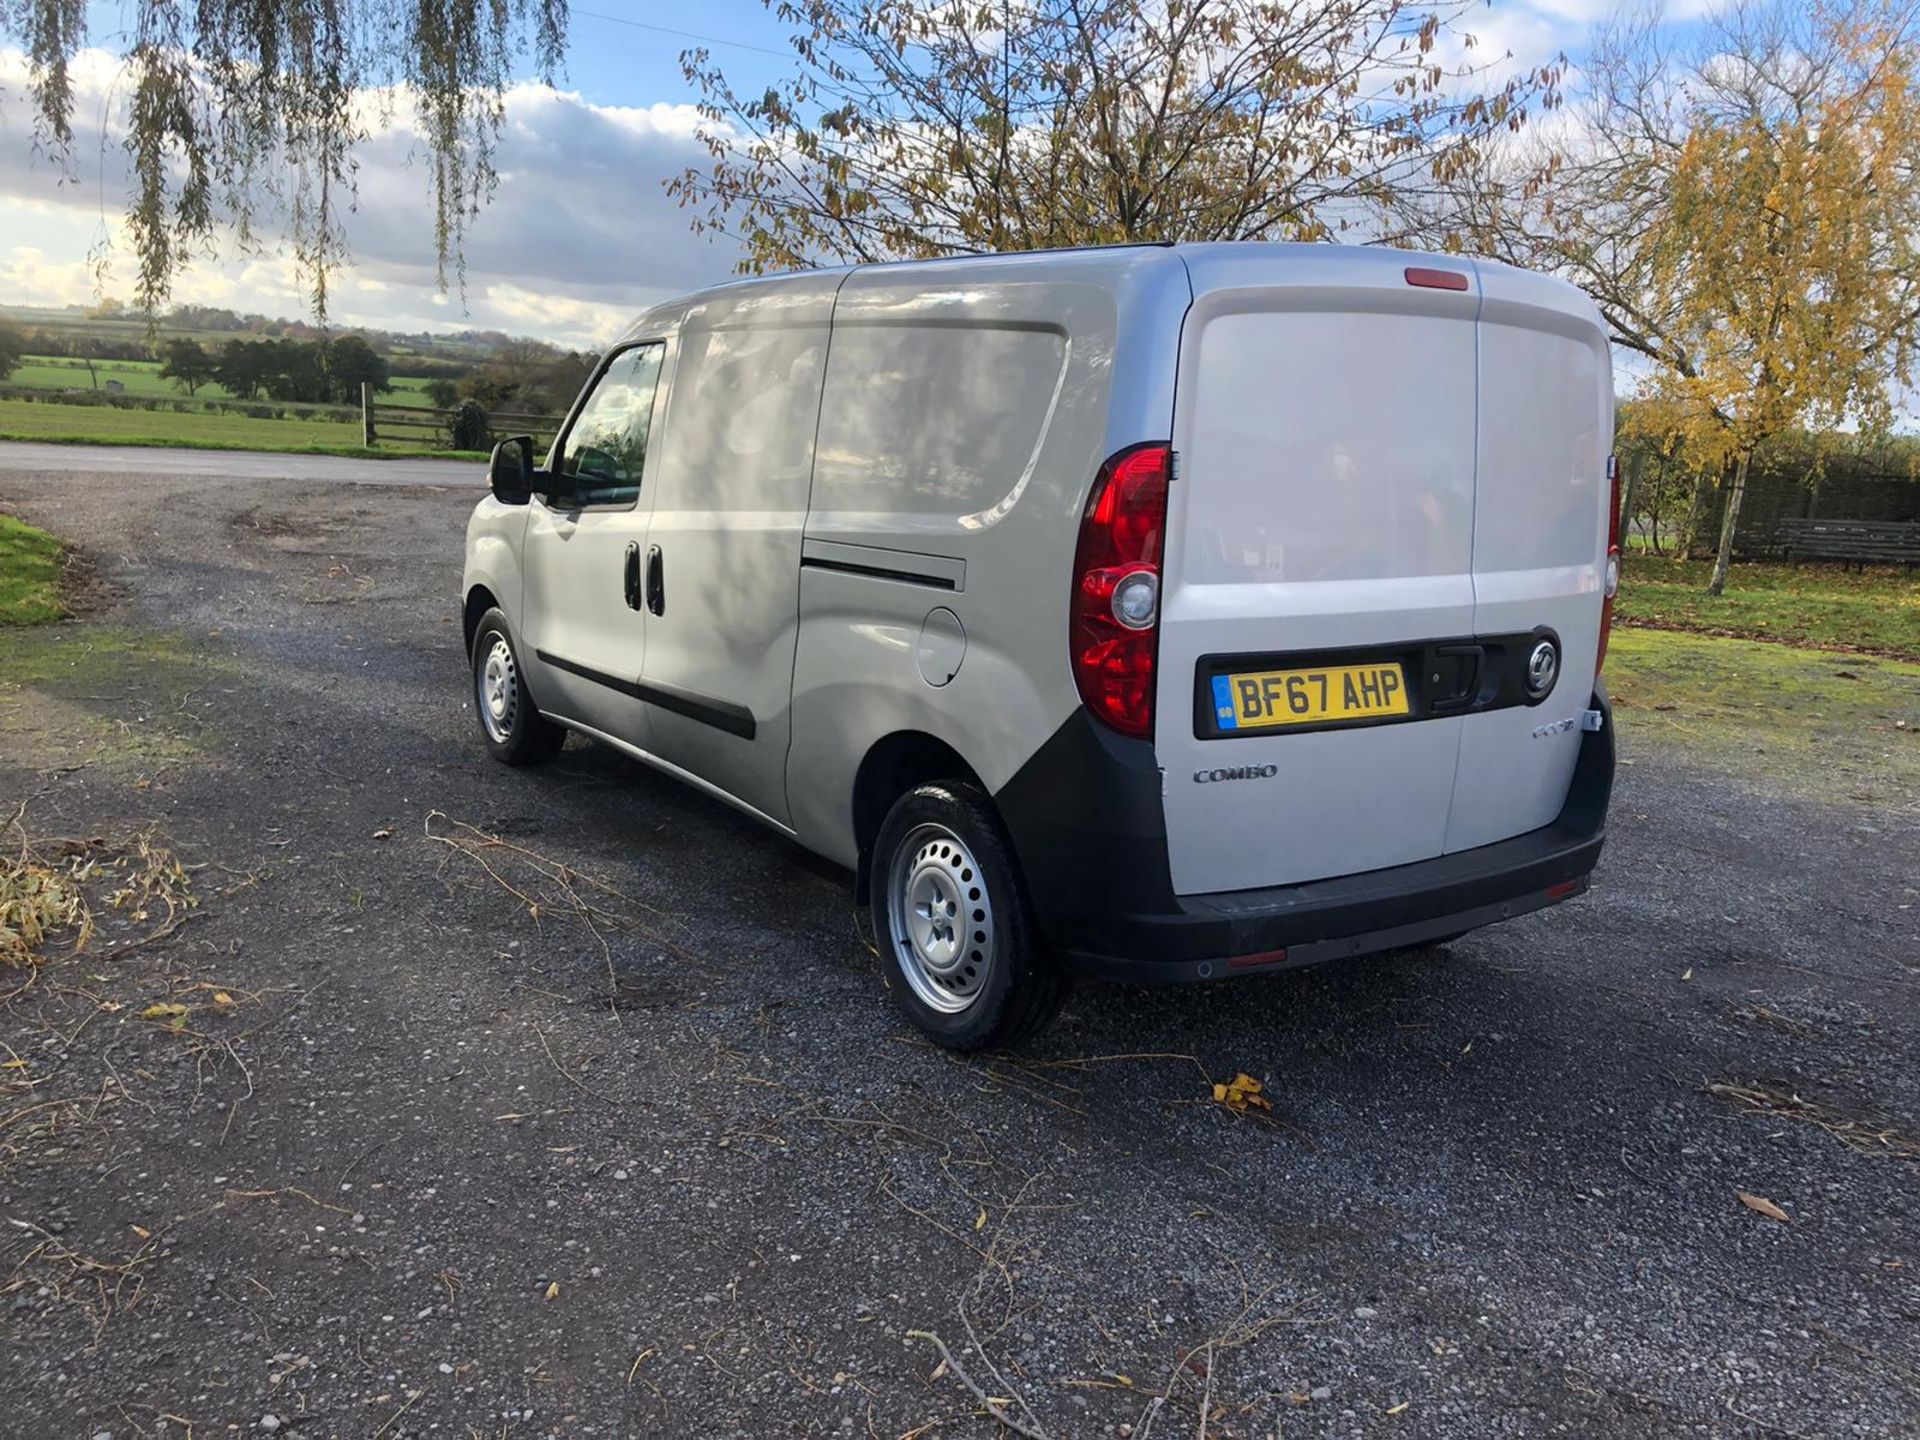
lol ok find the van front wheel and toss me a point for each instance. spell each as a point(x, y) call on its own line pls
point(955, 936)
point(516, 733)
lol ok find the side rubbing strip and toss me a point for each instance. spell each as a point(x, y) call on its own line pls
point(911, 567)
point(721, 714)
point(849, 567)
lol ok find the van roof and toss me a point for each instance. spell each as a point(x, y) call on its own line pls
point(1204, 251)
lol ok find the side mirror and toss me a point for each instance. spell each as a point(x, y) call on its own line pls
point(510, 470)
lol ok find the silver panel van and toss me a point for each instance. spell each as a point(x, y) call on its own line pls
point(1157, 612)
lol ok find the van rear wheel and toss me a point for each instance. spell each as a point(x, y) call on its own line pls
point(515, 731)
point(955, 934)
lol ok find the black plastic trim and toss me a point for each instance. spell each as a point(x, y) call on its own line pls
point(1459, 676)
point(878, 572)
point(1086, 820)
point(721, 714)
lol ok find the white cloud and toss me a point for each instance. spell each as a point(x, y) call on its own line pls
point(579, 237)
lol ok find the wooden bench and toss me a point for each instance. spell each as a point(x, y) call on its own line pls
point(1862, 542)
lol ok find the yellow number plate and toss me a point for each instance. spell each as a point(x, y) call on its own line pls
point(1262, 699)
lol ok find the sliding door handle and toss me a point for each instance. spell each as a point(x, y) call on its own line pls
point(656, 581)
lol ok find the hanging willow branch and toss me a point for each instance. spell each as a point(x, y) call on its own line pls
point(235, 109)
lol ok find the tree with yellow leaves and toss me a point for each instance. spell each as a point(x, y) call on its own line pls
point(1747, 217)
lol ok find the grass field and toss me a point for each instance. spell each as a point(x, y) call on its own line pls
point(29, 574)
point(142, 377)
point(1816, 605)
point(1828, 725)
point(104, 425)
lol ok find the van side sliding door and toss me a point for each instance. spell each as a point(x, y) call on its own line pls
point(723, 555)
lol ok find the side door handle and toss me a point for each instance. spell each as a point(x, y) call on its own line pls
point(633, 577)
point(656, 581)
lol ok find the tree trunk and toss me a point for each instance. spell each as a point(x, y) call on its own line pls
point(1736, 492)
point(1656, 510)
point(1690, 535)
point(1629, 495)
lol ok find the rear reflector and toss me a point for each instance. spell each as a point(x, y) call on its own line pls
point(1253, 962)
point(1435, 279)
point(1563, 890)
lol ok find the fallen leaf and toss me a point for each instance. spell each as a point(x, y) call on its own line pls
point(14, 1065)
point(980, 1220)
point(1400, 1407)
point(1766, 1207)
point(220, 997)
point(1240, 1093)
point(165, 1010)
point(384, 833)
point(142, 1232)
point(553, 1290)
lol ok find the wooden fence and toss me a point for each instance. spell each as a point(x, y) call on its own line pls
point(1857, 542)
point(433, 429)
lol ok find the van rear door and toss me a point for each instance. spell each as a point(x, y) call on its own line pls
point(1319, 543)
point(1539, 540)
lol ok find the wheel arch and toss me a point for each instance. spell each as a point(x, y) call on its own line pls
point(479, 600)
point(893, 765)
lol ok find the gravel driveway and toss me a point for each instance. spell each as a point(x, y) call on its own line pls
point(608, 1128)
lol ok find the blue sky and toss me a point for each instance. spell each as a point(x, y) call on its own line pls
point(580, 234)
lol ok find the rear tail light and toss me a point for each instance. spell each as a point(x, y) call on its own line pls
point(1613, 560)
point(1115, 629)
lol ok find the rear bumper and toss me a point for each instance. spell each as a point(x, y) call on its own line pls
point(1148, 935)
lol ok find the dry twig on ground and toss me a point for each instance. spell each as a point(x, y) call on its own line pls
point(1867, 1136)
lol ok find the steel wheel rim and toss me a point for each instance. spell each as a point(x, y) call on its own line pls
point(941, 919)
point(496, 683)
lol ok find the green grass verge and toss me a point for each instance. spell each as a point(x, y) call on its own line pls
point(1819, 605)
point(1825, 725)
point(142, 377)
point(103, 425)
point(34, 420)
point(29, 574)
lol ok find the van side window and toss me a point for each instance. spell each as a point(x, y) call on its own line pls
point(901, 427)
point(606, 450)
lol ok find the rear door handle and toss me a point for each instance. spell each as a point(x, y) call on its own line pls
point(656, 581)
point(633, 577)
point(1453, 677)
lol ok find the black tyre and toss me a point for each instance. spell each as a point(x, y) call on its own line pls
point(514, 729)
point(951, 919)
